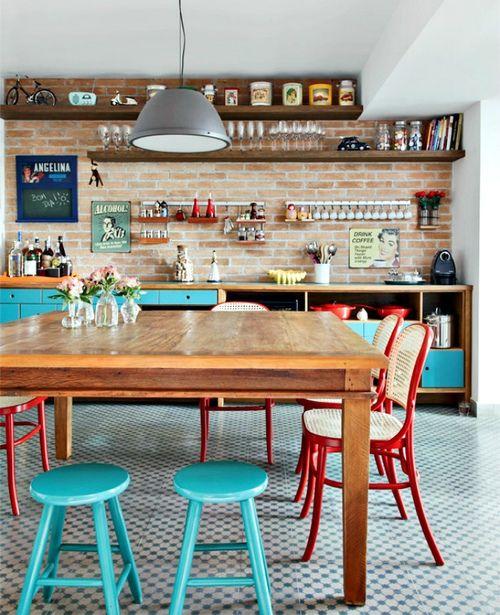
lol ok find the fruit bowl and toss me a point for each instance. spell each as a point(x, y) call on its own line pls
point(286, 276)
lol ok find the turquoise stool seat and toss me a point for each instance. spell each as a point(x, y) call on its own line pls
point(222, 482)
point(90, 484)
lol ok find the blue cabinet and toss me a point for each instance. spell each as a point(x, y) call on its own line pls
point(444, 369)
point(357, 327)
point(187, 297)
point(34, 309)
point(9, 312)
point(20, 295)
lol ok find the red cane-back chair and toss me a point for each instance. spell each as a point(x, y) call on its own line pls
point(9, 406)
point(205, 403)
point(390, 438)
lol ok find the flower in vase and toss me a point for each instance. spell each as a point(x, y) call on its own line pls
point(128, 287)
point(69, 290)
point(105, 278)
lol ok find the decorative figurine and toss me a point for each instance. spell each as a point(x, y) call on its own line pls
point(214, 275)
point(195, 212)
point(153, 89)
point(117, 100)
point(94, 175)
point(180, 216)
point(231, 97)
point(209, 91)
point(210, 212)
point(82, 99)
point(291, 212)
point(352, 144)
point(183, 266)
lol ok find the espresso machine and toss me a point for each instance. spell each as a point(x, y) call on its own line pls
point(443, 270)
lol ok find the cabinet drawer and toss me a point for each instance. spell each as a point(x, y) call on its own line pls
point(444, 369)
point(49, 292)
point(357, 327)
point(188, 297)
point(20, 295)
point(33, 309)
point(149, 297)
point(9, 312)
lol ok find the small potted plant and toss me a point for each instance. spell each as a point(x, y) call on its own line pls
point(71, 291)
point(130, 288)
point(106, 311)
point(429, 207)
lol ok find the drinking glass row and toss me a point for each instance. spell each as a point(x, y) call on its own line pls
point(282, 135)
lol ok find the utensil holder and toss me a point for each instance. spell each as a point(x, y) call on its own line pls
point(322, 273)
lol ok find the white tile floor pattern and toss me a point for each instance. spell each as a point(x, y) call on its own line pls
point(459, 458)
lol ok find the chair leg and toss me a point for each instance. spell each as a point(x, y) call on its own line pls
point(380, 466)
point(318, 501)
point(311, 483)
point(392, 477)
point(105, 559)
point(11, 463)
point(56, 530)
point(257, 557)
point(419, 507)
point(125, 548)
point(43, 437)
point(300, 461)
point(269, 430)
point(186, 557)
point(204, 429)
point(28, 591)
point(304, 453)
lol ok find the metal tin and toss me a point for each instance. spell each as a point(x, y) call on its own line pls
point(261, 93)
point(441, 325)
point(320, 94)
point(292, 94)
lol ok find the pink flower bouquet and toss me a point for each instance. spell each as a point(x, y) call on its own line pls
point(128, 287)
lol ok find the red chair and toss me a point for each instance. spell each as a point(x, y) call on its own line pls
point(9, 406)
point(390, 438)
point(205, 403)
point(384, 338)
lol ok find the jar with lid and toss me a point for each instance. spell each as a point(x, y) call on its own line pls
point(251, 234)
point(184, 271)
point(242, 233)
point(415, 141)
point(346, 93)
point(400, 136)
point(383, 136)
point(260, 235)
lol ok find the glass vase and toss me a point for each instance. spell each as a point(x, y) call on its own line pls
point(106, 311)
point(85, 312)
point(71, 320)
point(130, 311)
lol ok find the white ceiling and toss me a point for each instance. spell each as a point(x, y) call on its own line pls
point(261, 38)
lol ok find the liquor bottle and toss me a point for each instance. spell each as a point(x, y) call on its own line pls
point(57, 258)
point(47, 255)
point(196, 208)
point(30, 261)
point(210, 213)
point(61, 246)
point(38, 252)
point(26, 247)
point(16, 260)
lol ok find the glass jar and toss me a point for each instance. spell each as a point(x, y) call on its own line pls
point(346, 93)
point(251, 234)
point(129, 311)
point(242, 233)
point(85, 312)
point(383, 136)
point(400, 136)
point(106, 311)
point(71, 320)
point(415, 141)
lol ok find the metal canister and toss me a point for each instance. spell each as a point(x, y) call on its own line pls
point(442, 326)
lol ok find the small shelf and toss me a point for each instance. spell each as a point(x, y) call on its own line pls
point(428, 227)
point(152, 220)
point(152, 240)
point(202, 220)
point(300, 221)
point(251, 241)
point(250, 221)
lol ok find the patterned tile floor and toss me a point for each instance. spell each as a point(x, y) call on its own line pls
point(459, 458)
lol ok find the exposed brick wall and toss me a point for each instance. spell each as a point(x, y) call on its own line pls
point(274, 183)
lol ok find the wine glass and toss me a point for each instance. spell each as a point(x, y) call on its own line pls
point(273, 136)
point(103, 132)
point(116, 136)
point(285, 134)
point(250, 134)
point(260, 133)
point(126, 130)
point(241, 133)
point(230, 132)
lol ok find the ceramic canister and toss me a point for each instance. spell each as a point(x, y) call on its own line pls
point(320, 94)
point(261, 93)
point(292, 94)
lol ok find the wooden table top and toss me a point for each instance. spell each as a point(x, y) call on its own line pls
point(191, 339)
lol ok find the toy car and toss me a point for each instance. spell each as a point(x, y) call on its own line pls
point(352, 144)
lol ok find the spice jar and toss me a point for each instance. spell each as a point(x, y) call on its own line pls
point(383, 136)
point(242, 233)
point(415, 142)
point(260, 235)
point(346, 93)
point(251, 234)
point(400, 136)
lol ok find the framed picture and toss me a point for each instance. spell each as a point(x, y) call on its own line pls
point(47, 188)
point(231, 97)
point(110, 226)
point(374, 248)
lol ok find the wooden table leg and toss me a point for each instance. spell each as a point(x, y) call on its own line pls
point(63, 420)
point(355, 461)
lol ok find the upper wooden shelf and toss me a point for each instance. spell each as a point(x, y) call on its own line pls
point(235, 155)
point(241, 112)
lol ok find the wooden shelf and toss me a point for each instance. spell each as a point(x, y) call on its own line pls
point(202, 220)
point(301, 221)
point(428, 227)
point(102, 112)
point(152, 240)
point(251, 241)
point(152, 220)
point(233, 155)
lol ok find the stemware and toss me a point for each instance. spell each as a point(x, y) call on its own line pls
point(260, 133)
point(285, 134)
point(241, 133)
point(273, 136)
point(250, 134)
point(103, 132)
point(116, 136)
point(126, 130)
point(230, 132)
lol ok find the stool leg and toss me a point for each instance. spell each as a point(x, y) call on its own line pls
point(56, 530)
point(261, 543)
point(186, 557)
point(24, 606)
point(11, 463)
point(105, 559)
point(257, 557)
point(125, 548)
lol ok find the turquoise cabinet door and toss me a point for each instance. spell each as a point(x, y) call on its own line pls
point(357, 327)
point(9, 312)
point(20, 295)
point(47, 293)
point(149, 297)
point(33, 309)
point(187, 297)
point(444, 369)
point(369, 331)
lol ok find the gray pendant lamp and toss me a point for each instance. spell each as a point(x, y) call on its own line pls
point(179, 120)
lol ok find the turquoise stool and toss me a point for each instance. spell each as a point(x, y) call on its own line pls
point(216, 482)
point(89, 484)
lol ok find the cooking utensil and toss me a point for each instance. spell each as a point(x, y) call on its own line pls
point(340, 310)
point(388, 310)
point(442, 326)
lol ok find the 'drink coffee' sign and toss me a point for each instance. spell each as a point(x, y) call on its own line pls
point(374, 247)
point(110, 226)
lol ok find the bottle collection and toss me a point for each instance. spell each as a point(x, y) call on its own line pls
point(31, 259)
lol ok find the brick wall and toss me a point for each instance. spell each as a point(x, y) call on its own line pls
point(274, 183)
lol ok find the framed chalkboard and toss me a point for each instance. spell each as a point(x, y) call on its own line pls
point(47, 188)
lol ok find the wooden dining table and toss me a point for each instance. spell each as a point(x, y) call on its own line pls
point(193, 354)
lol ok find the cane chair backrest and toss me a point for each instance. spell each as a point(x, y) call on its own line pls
point(385, 336)
point(239, 306)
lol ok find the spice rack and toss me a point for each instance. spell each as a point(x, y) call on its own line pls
point(250, 220)
point(155, 213)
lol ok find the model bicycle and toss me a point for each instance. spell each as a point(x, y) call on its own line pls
point(39, 95)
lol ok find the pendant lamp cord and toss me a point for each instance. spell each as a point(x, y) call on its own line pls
point(182, 44)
